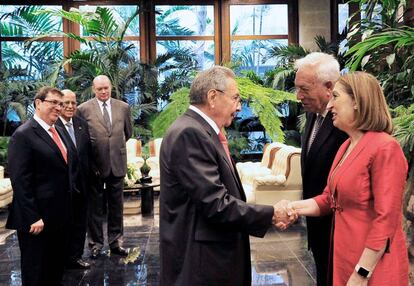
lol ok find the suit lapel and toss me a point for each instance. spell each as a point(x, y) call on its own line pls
point(219, 147)
point(39, 131)
point(323, 134)
point(66, 133)
point(333, 182)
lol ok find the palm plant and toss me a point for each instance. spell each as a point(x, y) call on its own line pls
point(263, 101)
point(36, 57)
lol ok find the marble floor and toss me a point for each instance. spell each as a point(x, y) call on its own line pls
point(280, 258)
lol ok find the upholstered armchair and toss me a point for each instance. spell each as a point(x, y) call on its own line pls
point(248, 170)
point(283, 182)
point(134, 160)
point(6, 191)
point(154, 160)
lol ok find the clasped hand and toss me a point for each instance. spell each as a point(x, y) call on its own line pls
point(284, 214)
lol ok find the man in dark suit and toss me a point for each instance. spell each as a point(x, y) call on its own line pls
point(316, 76)
point(110, 126)
point(76, 129)
point(40, 167)
point(205, 221)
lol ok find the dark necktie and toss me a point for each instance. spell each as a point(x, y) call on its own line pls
point(317, 126)
point(59, 143)
point(71, 132)
point(223, 141)
point(106, 117)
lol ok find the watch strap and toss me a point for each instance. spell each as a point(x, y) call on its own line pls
point(362, 271)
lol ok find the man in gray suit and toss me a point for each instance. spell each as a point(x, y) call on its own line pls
point(110, 126)
point(205, 221)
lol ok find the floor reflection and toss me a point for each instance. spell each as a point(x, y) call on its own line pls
point(281, 258)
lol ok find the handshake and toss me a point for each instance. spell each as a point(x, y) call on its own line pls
point(284, 214)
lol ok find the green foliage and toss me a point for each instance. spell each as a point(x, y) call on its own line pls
point(404, 128)
point(237, 143)
point(4, 144)
point(262, 100)
point(178, 105)
point(382, 45)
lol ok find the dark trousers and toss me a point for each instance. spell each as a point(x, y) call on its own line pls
point(112, 198)
point(319, 228)
point(77, 228)
point(42, 257)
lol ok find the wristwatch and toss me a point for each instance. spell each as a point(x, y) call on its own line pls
point(363, 272)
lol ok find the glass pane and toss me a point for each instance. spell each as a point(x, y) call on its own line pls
point(201, 51)
point(120, 14)
point(24, 22)
point(259, 19)
point(343, 15)
point(35, 61)
point(183, 20)
point(250, 54)
point(131, 47)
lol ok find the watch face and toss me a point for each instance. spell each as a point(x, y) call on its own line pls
point(363, 272)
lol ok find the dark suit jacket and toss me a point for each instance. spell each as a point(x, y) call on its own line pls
point(316, 165)
point(204, 221)
point(109, 149)
point(83, 149)
point(41, 179)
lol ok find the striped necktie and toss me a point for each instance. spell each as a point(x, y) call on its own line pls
point(317, 126)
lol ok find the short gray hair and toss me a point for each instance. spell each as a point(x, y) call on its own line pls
point(326, 66)
point(213, 78)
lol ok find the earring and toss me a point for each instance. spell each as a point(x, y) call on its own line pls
point(355, 107)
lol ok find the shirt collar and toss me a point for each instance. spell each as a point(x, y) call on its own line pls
point(206, 118)
point(42, 123)
point(64, 121)
point(108, 102)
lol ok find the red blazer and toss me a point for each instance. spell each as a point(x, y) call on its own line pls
point(366, 193)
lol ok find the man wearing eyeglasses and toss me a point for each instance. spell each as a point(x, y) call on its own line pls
point(77, 130)
point(110, 126)
point(205, 221)
point(40, 164)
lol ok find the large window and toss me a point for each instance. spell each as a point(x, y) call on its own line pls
point(254, 30)
point(209, 31)
point(34, 60)
point(187, 29)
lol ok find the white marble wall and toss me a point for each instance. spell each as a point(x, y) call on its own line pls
point(314, 19)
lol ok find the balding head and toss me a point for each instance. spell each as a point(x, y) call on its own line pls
point(101, 87)
point(69, 104)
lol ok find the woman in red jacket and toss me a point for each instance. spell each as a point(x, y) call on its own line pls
point(364, 189)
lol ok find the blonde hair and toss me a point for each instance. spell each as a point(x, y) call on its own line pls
point(371, 112)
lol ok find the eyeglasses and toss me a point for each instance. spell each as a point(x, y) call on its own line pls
point(67, 103)
point(234, 98)
point(55, 103)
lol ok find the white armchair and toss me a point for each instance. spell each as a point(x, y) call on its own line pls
point(154, 161)
point(283, 182)
point(248, 170)
point(6, 191)
point(134, 160)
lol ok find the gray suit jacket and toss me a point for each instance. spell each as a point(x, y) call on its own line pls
point(108, 148)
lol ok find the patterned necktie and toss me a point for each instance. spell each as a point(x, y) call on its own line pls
point(71, 132)
point(225, 144)
point(59, 143)
point(106, 117)
point(317, 126)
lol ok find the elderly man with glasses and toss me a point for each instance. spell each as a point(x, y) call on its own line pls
point(77, 129)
